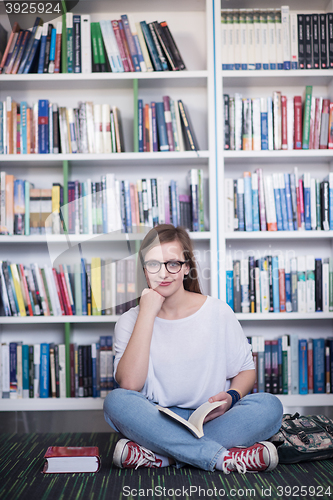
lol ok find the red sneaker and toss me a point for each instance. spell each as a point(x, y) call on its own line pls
point(260, 457)
point(130, 455)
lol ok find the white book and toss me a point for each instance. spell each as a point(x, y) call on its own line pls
point(257, 39)
point(106, 128)
point(72, 138)
point(285, 36)
point(243, 38)
point(99, 146)
point(238, 121)
point(111, 46)
point(5, 371)
point(144, 50)
point(301, 284)
point(229, 204)
point(310, 284)
point(278, 38)
point(41, 288)
point(224, 41)
point(86, 66)
point(230, 39)
point(270, 123)
point(161, 201)
point(290, 122)
point(313, 204)
point(36, 370)
point(270, 203)
point(293, 41)
point(48, 270)
point(271, 32)
point(119, 223)
point(62, 370)
point(256, 124)
point(277, 113)
point(237, 41)
point(244, 282)
point(251, 55)
point(90, 126)
point(325, 284)
point(264, 40)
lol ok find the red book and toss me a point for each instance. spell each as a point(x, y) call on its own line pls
point(65, 291)
point(301, 204)
point(323, 140)
point(55, 276)
point(319, 105)
point(168, 122)
point(284, 122)
point(298, 122)
point(57, 58)
point(310, 366)
point(125, 44)
point(122, 52)
point(16, 29)
point(330, 128)
point(282, 289)
point(25, 286)
point(72, 369)
point(75, 459)
point(61, 282)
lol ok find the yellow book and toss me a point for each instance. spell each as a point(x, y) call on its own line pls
point(56, 209)
point(96, 286)
point(18, 291)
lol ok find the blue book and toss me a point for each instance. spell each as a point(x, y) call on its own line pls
point(174, 205)
point(53, 48)
point(128, 211)
point(109, 379)
point(130, 42)
point(161, 127)
point(139, 52)
point(283, 203)
point(140, 124)
point(248, 201)
point(307, 201)
point(255, 203)
point(154, 126)
point(277, 197)
point(84, 288)
point(43, 126)
point(289, 202)
point(303, 366)
point(23, 110)
point(151, 46)
point(76, 42)
point(44, 370)
point(34, 50)
point(25, 370)
point(294, 200)
point(280, 360)
point(276, 292)
point(29, 46)
point(288, 286)
point(264, 124)
point(319, 366)
point(230, 288)
point(240, 204)
point(328, 178)
point(42, 49)
point(1, 129)
point(94, 370)
point(12, 370)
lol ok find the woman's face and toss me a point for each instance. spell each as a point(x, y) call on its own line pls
point(163, 281)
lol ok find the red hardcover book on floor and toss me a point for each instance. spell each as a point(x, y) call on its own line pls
point(62, 459)
point(284, 122)
point(297, 122)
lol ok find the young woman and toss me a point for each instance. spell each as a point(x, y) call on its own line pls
point(179, 348)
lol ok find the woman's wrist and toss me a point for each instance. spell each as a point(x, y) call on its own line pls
point(236, 395)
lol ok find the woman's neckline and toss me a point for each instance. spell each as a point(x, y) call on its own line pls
point(185, 317)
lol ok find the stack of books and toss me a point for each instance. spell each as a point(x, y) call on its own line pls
point(269, 39)
point(100, 207)
point(289, 365)
point(39, 370)
point(281, 122)
point(278, 202)
point(107, 45)
point(280, 284)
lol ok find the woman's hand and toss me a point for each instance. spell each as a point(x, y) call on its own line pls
point(151, 301)
point(217, 412)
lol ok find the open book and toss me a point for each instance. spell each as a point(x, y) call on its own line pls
point(195, 422)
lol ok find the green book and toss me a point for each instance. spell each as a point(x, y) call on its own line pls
point(69, 37)
point(100, 47)
point(306, 117)
point(95, 52)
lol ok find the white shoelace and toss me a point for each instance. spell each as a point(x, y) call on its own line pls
point(241, 460)
point(141, 456)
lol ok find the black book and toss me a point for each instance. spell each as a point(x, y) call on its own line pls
point(252, 288)
point(173, 46)
point(158, 46)
point(162, 38)
point(318, 285)
point(308, 41)
point(89, 371)
point(85, 371)
point(237, 287)
point(275, 368)
point(324, 196)
point(323, 41)
point(330, 38)
point(77, 43)
point(55, 119)
point(31, 371)
point(315, 41)
point(80, 371)
point(236, 221)
point(47, 48)
point(190, 139)
point(301, 49)
point(88, 288)
point(268, 366)
point(270, 281)
point(226, 122)
point(56, 364)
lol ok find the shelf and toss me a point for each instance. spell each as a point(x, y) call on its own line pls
point(139, 159)
point(283, 316)
point(277, 77)
point(278, 235)
point(29, 320)
point(276, 156)
point(60, 404)
point(80, 238)
point(64, 81)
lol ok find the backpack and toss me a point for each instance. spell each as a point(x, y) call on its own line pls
point(304, 438)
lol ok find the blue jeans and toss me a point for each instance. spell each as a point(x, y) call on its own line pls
point(254, 418)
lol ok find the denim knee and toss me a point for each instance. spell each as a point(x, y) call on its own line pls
point(271, 407)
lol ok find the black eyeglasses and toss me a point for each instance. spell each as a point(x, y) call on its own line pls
point(172, 266)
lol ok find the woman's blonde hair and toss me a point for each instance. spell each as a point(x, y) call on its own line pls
point(167, 233)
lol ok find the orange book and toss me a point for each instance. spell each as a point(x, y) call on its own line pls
point(10, 203)
point(146, 141)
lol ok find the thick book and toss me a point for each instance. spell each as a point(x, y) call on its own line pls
point(71, 459)
point(196, 420)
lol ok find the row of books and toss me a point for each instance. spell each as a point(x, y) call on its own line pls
point(289, 365)
point(165, 126)
point(263, 39)
point(39, 370)
point(95, 288)
point(281, 122)
point(90, 47)
point(279, 284)
point(100, 207)
point(278, 202)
